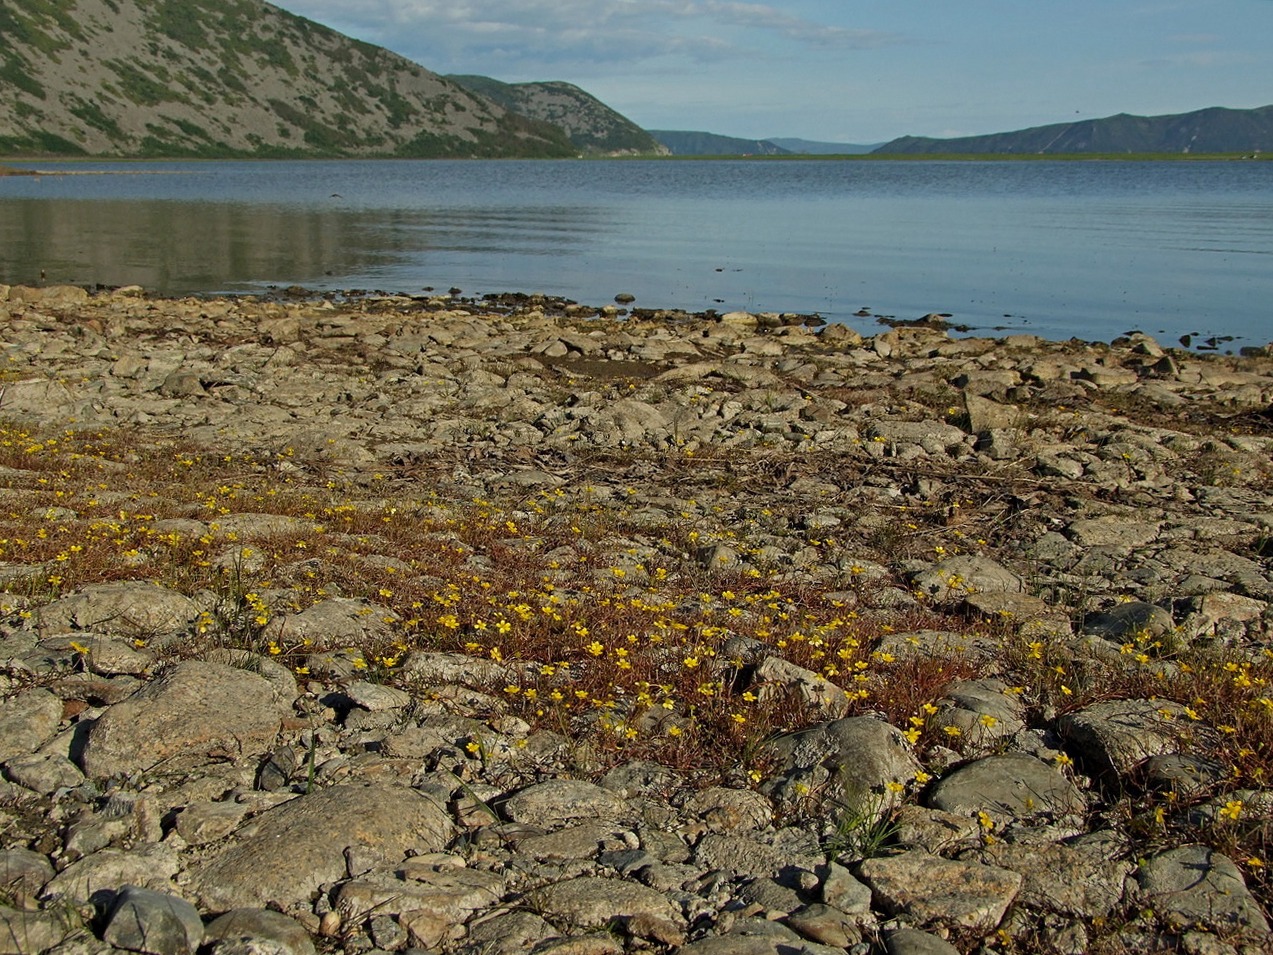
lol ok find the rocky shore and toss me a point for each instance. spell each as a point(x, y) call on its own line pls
point(380, 623)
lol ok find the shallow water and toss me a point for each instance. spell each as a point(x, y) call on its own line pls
point(1060, 249)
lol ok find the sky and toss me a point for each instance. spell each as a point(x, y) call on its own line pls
point(855, 71)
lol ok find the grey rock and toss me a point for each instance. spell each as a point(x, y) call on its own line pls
point(1009, 788)
point(336, 621)
point(1118, 735)
point(152, 866)
point(557, 802)
point(936, 891)
point(592, 902)
point(1124, 621)
point(1082, 878)
point(23, 873)
point(193, 713)
point(257, 932)
point(154, 923)
point(129, 608)
point(26, 721)
point(1196, 886)
point(43, 773)
point(507, 933)
point(849, 761)
point(820, 696)
point(726, 810)
point(950, 581)
point(33, 933)
point(286, 853)
point(911, 941)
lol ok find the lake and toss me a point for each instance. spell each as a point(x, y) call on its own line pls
point(1059, 249)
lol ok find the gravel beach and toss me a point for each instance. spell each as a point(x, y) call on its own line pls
point(384, 623)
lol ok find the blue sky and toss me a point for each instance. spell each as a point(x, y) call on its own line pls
point(843, 70)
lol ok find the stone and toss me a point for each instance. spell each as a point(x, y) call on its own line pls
point(911, 941)
point(1081, 878)
point(558, 802)
point(822, 698)
point(26, 721)
point(257, 932)
point(152, 866)
point(850, 762)
point(23, 873)
point(507, 933)
point(1118, 735)
point(335, 621)
point(592, 902)
point(377, 697)
point(301, 844)
point(936, 891)
point(33, 933)
point(192, 713)
point(154, 923)
point(44, 773)
point(951, 580)
point(128, 608)
point(1124, 621)
point(1196, 886)
point(726, 810)
point(1011, 788)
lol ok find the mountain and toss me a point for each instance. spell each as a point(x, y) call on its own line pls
point(682, 143)
point(226, 78)
point(1214, 130)
point(592, 126)
point(809, 147)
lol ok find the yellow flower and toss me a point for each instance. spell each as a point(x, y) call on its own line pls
point(1232, 810)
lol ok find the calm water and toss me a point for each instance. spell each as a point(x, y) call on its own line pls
point(1060, 249)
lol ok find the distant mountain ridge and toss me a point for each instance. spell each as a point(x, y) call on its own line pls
point(591, 125)
point(214, 78)
point(692, 143)
point(1213, 130)
point(811, 147)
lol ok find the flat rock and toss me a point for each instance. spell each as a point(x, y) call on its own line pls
point(27, 721)
point(1195, 886)
point(936, 891)
point(950, 581)
point(286, 853)
point(849, 761)
point(1009, 788)
point(558, 802)
point(194, 712)
point(1118, 735)
point(129, 608)
point(1126, 620)
point(252, 931)
point(31, 933)
point(154, 923)
point(1082, 878)
point(593, 902)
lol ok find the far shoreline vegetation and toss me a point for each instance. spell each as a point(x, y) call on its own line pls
point(8, 170)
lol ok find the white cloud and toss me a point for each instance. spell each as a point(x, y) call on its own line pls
point(490, 35)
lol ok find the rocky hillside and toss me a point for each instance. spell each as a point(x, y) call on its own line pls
point(1213, 130)
point(592, 126)
point(230, 77)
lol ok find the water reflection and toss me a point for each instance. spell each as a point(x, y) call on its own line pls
point(198, 247)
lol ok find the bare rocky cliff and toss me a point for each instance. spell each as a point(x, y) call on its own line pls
point(230, 77)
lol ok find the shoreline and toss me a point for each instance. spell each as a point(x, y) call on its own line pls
point(954, 641)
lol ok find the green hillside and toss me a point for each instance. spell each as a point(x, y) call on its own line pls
point(1215, 130)
point(230, 78)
